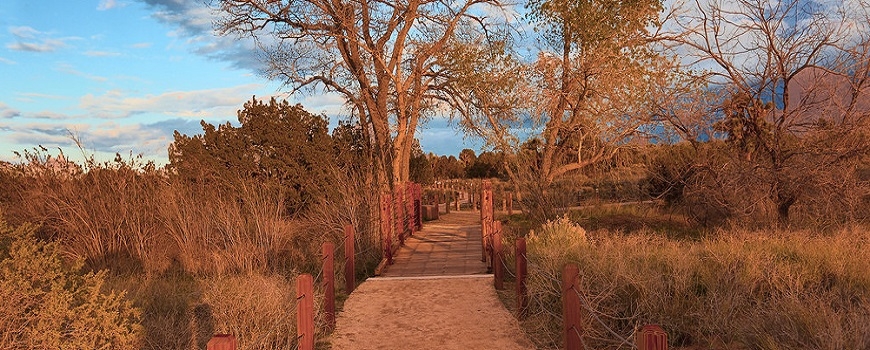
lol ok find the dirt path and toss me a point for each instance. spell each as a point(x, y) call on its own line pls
point(428, 313)
point(457, 310)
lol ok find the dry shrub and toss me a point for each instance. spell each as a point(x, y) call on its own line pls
point(196, 259)
point(351, 200)
point(752, 290)
point(181, 311)
point(259, 309)
point(244, 231)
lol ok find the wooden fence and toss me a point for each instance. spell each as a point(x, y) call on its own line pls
point(650, 337)
point(400, 216)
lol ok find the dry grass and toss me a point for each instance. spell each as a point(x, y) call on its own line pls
point(197, 259)
point(732, 290)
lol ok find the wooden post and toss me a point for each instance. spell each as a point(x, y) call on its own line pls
point(350, 259)
point(572, 326)
point(398, 215)
point(386, 227)
point(305, 311)
point(448, 195)
point(485, 218)
point(409, 208)
point(510, 203)
point(652, 337)
point(497, 264)
point(329, 284)
point(418, 195)
point(456, 200)
point(222, 342)
point(522, 271)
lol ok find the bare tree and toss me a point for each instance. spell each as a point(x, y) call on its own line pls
point(381, 56)
point(789, 87)
point(584, 96)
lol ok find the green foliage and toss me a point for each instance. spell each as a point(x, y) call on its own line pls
point(49, 304)
point(487, 165)
point(445, 167)
point(420, 169)
point(276, 144)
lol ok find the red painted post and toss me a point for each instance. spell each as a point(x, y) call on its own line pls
point(448, 196)
point(222, 342)
point(485, 218)
point(497, 264)
point(510, 203)
point(350, 259)
point(386, 227)
point(409, 208)
point(329, 284)
point(418, 194)
point(572, 326)
point(652, 337)
point(398, 215)
point(305, 311)
point(456, 200)
point(522, 271)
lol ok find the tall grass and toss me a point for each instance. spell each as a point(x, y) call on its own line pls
point(732, 290)
point(197, 258)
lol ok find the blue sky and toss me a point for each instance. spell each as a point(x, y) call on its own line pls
point(122, 75)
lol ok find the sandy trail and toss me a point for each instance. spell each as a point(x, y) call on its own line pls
point(456, 312)
point(435, 296)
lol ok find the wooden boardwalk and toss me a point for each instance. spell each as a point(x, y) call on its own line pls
point(446, 247)
point(436, 295)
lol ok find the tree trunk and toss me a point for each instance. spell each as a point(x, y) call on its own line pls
point(783, 205)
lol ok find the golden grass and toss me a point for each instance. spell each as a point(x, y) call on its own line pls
point(730, 290)
point(197, 259)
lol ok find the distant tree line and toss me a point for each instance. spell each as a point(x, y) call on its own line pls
point(427, 168)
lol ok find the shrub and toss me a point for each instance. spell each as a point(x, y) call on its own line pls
point(48, 304)
point(756, 290)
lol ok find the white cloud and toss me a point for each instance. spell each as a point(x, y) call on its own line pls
point(24, 32)
point(32, 40)
point(104, 139)
point(7, 61)
point(8, 112)
point(69, 69)
point(101, 54)
point(108, 5)
point(210, 103)
point(141, 45)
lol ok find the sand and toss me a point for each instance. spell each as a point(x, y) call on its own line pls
point(451, 312)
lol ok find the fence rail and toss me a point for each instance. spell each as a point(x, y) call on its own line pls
point(402, 213)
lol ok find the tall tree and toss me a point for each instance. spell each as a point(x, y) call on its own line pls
point(381, 56)
point(788, 82)
point(585, 95)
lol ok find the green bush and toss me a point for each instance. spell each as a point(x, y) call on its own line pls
point(49, 304)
